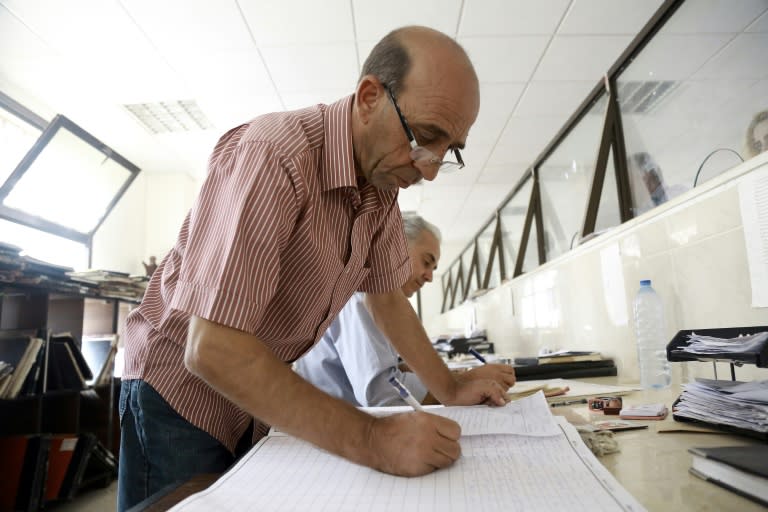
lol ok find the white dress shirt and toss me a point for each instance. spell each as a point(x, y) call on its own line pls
point(354, 361)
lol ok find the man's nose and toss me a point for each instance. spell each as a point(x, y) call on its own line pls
point(428, 276)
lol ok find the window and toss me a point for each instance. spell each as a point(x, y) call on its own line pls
point(66, 184)
point(688, 98)
point(565, 179)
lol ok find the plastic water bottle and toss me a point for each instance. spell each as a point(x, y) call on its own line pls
point(651, 338)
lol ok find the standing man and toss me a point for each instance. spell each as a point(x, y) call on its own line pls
point(299, 211)
point(354, 360)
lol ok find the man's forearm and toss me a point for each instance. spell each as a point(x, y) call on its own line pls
point(395, 317)
point(246, 372)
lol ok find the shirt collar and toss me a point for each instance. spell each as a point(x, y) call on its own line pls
point(338, 154)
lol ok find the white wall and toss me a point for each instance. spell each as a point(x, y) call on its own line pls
point(119, 242)
point(169, 198)
point(144, 222)
point(692, 248)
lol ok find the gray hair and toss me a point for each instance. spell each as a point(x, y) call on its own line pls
point(414, 225)
point(389, 62)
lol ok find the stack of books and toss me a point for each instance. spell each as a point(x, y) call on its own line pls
point(109, 283)
point(741, 469)
point(566, 364)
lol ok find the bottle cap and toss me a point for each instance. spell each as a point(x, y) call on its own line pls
point(645, 282)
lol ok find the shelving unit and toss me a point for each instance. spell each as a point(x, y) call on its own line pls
point(83, 422)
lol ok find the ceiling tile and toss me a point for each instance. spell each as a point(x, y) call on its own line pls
point(580, 57)
point(226, 72)
point(17, 41)
point(476, 153)
point(507, 174)
point(297, 22)
point(744, 57)
point(297, 68)
point(441, 213)
point(301, 99)
point(524, 138)
point(482, 200)
point(496, 104)
point(553, 98)
point(227, 110)
point(94, 30)
point(451, 194)
point(608, 16)
point(507, 17)
point(183, 27)
point(505, 59)
point(374, 20)
point(703, 16)
point(761, 24)
point(674, 57)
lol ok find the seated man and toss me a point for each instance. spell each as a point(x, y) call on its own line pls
point(354, 360)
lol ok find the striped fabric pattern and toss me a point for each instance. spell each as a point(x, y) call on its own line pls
point(280, 237)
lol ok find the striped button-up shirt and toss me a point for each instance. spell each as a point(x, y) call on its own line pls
point(282, 234)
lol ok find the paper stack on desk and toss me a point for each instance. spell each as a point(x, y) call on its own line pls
point(517, 457)
point(739, 405)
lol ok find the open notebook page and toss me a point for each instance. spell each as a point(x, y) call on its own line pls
point(495, 472)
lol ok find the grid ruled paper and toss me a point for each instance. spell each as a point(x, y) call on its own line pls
point(495, 472)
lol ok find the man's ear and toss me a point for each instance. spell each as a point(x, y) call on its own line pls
point(368, 96)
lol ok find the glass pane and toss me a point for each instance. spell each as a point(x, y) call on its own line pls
point(457, 295)
point(512, 222)
point(70, 183)
point(16, 138)
point(565, 179)
point(470, 277)
point(484, 243)
point(531, 260)
point(608, 214)
point(692, 92)
point(45, 246)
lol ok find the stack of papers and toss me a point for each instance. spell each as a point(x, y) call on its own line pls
point(710, 345)
point(742, 405)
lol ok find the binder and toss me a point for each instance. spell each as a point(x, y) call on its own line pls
point(76, 469)
point(59, 458)
point(33, 473)
point(12, 453)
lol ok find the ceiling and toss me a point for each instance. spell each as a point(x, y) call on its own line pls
point(536, 61)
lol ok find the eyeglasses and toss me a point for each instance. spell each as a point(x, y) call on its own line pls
point(420, 154)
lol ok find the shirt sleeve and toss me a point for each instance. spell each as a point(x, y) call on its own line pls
point(388, 257)
point(239, 225)
point(369, 359)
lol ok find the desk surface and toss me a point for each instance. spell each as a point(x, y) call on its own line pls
point(652, 466)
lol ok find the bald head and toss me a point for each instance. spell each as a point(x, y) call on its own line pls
point(408, 48)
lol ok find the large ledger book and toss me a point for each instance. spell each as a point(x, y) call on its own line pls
point(517, 457)
point(741, 469)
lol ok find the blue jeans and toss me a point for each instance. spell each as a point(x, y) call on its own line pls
point(158, 447)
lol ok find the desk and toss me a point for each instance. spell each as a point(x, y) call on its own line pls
point(652, 466)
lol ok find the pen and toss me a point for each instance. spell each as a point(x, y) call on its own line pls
point(570, 402)
point(405, 394)
point(477, 355)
